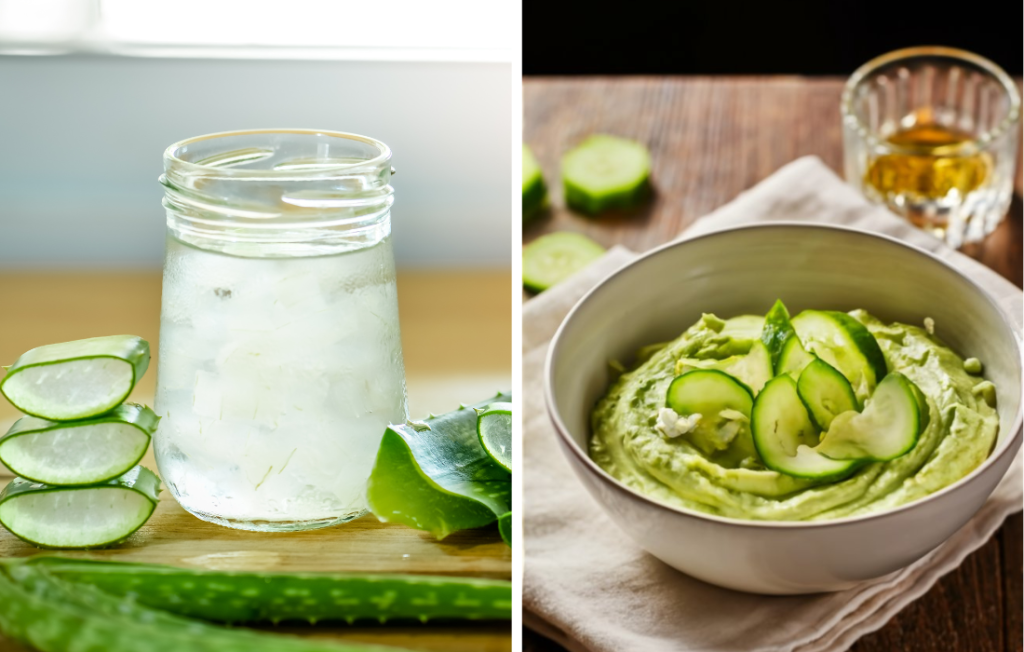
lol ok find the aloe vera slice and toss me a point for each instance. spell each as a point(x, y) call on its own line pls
point(93, 450)
point(92, 516)
point(494, 427)
point(434, 475)
point(505, 528)
point(535, 193)
point(76, 380)
point(243, 597)
point(56, 616)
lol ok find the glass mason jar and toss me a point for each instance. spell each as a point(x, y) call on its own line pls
point(280, 361)
point(932, 133)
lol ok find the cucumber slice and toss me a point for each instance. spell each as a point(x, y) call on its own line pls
point(505, 528)
point(753, 368)
point(887, 428)
point(844, 343)
point(777, 330)
point(793, 358)
point(606, 172)
point(79, 517)
point(825, 392)
point(552, 258)
point(257, 597)
point(76, 380)
point(93, 450)
point(494, 427)
point(535, 193)
point(434, 475)
point(717, 397)
point(785, 436)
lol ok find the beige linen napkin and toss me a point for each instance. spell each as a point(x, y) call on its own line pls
point(589, 587)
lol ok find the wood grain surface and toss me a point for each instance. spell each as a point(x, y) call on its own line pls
point(455, 351)
point(710, 139)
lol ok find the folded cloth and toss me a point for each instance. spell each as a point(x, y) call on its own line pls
point(590, 588)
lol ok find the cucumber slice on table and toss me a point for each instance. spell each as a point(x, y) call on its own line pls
point(255, 597)
point(606, 172)
point(552, 258)
point(777, 331)
point(494, 427)
point(78, 452)
point(785, 436)
point(844, 343)
point(79, 517)
point(434, 475)
point(825, 392)
point(887, 428)
point(535, 193)
point(722, 402)
point(793, 358)
point(76, 380)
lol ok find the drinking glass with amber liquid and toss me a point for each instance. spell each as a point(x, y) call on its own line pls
point(932, 133)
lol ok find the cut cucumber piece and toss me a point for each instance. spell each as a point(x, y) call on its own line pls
point(606, 172)
point(258, 597)
point(552, 258)
point(535, 193)
point(785, 436)
point(777, 331)
point(79, 517)
point(494, 427)
point(722, 402)
point(753, 368)
point(505, 528)
point(76, 380)
point(825, 392)
point(844, 343)
point(93, 450)
point(434, 475)
point(793, 358)
point(887, 428)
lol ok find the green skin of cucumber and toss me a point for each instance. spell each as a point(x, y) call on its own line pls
point(435, 475)
point(130, 348)
point(51, 615)
point(242, 597)
point(535, 195)
point(139, 416)
point(138, 479)
point(585, 202)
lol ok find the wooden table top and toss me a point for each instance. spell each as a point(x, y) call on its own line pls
point(455, 351)
point(710, 139)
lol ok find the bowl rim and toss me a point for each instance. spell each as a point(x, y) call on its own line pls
point(1011, 442)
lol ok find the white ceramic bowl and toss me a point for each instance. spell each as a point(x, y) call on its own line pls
point(741, 271)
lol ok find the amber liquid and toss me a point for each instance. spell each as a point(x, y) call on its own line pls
point(930, 175)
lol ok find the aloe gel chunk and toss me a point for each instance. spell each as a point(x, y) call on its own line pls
point(434, 475)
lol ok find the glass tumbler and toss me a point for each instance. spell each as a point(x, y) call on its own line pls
point(932, 133)
point(280, 360)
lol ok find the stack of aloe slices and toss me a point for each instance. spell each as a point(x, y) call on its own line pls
point(449, 472)
point(58, 605)
point(813, 397)
point(76, 454)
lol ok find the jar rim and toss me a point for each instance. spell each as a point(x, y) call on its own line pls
point(172, 155)
point(1006, 124)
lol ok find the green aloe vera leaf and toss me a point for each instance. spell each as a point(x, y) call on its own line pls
point(434, 475)
point(246, 597)
point(62, 453)
point(56, 616)
point(76, 380)
point(505, 527)
point(91, 516)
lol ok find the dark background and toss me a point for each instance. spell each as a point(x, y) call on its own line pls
point(715, 37)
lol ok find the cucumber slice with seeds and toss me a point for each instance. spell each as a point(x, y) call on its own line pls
point(793, 358)
point(785, 436)
point(552, 258)
point(535, 193)
point(76, 380)
point(844, 343)
point(494, 427)
point(606, 172)
point(722, 402)
point(92, 516)
point(887, 428)
point(93, 450)
point(825, 392)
